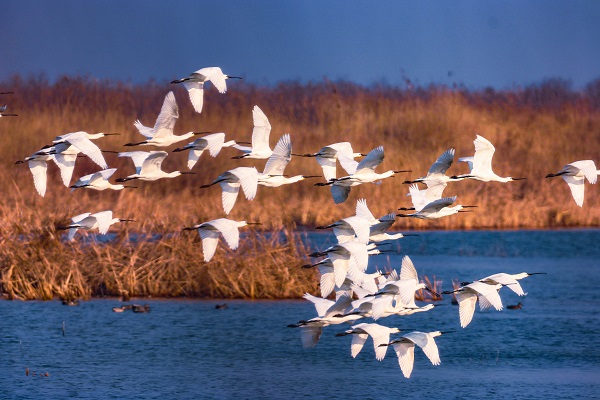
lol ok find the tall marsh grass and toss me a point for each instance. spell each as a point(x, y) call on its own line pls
point(536, 130)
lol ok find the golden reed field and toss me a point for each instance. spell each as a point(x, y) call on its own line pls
point(536, 130)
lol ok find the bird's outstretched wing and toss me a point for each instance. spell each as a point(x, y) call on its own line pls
point(261, 130)
point(169, 113)
point(371, 161)
point(482, 160)
point(196, 93)
point(442, 163)
point(210, 239)
point(282, 154)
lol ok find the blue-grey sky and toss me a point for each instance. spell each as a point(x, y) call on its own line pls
point(479, 43)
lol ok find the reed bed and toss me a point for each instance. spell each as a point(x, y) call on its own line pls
point(536, 130)
point(43, 267)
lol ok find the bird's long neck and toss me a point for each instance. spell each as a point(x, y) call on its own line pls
point(384, 175)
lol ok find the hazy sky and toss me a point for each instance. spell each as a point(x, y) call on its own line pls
point(476, 43)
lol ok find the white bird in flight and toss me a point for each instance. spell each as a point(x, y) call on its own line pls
point(194, 84)
point(162, 134)
point(230, 182)
point(378, 226)
point(436, 209)
point(480, 164)
point(360, 334)
point(361, 172)
point(272, 175)
point(404, 288)
point(148, 166)
point(38, 167)
point(350, 229)
point(508, 280)
point(438, 169)
point(213, 143)
point(327, 156)
point(209, 233)
point(260, 148)
point(100, 220)
point(420, 198)
point(68, 146)
point(575, 175)
point(99, 181)
point(467, 297)
point(405, 349)
point(329, 313)
point(348, 259)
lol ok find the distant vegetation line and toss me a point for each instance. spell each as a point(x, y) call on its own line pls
point(536, 130)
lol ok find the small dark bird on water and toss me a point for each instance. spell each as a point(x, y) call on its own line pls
point(517, 306)
point(221, 306)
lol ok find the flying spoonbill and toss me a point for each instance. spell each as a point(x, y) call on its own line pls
point(405, 349)
point(349, 229)
point(194, 84)
point(438, 169)
point(330, 313)
point(436, 209)
point(38, 166)
point(508, 280)
point(327, 156)
point(147, 166)
point(481, 163)
point(360, 332)
point(362, 172)
point(213, 143)
point(468, 295)
point(379, 226)
point(230, 182)
point(272, 175)
point(260, 148)
point(575, 175)
point(100, 220)
point(209, 233)
point(162, 134)
point(98, 181)
point(67, 147)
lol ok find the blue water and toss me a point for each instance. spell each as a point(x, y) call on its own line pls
point(188, 349)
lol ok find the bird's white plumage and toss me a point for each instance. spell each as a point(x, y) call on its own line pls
point(196, 92)
point(282, 154)
point(101, 220)
point(405, 349)
point(575, 175)
point(38, 169)
point(468, 295)
point(260, 148)
point(480, 164)
point(194, 84)
point(148, 165)
point(380, 335)
point(82, 142)
point(213, 142)
point(98, 180)
point(231, 181)
point(209, 233)
point(327, 156)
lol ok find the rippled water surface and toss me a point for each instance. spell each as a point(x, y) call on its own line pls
point(188, 349)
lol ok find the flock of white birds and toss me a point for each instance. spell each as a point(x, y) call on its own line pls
point(343, 266)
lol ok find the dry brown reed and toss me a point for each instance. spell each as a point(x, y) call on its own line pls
point(43, 267)
point(536, 130)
